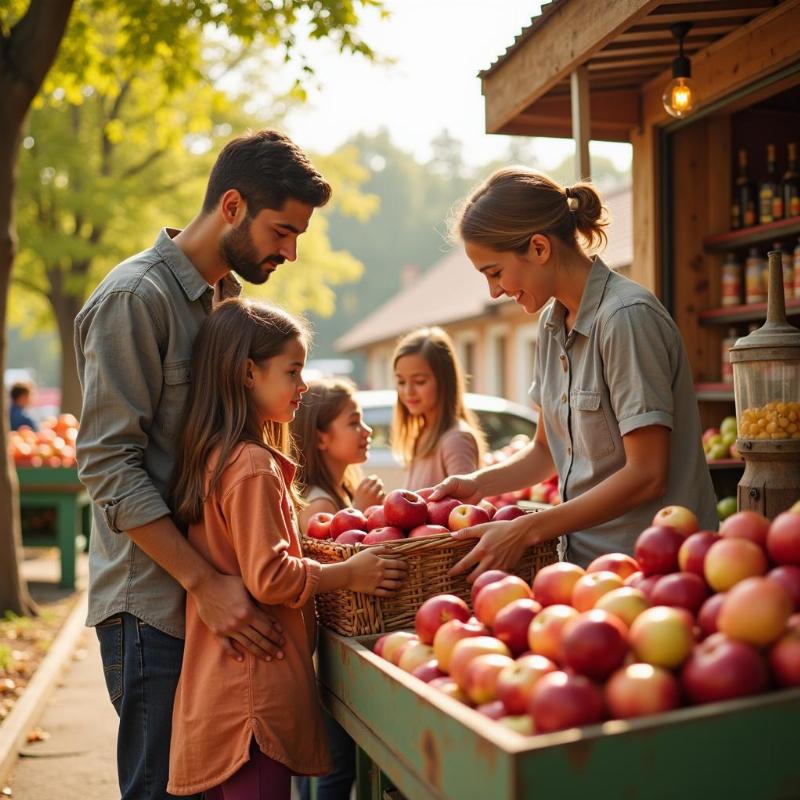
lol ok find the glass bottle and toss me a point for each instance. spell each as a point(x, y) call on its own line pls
point(755, 288)
point(770, 199)
point(743, 207)
point(797, 270)
point(790, 184)
point(731, 294)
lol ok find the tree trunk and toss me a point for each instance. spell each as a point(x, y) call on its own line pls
point(66, 307)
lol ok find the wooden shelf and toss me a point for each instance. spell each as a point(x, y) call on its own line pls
point(726, 463)
point(727, 315)
point(714, 392)
point(757, 234)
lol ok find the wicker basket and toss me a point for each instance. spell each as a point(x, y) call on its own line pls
point(429, 559)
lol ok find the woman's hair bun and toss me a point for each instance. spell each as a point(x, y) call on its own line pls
point(590, 214)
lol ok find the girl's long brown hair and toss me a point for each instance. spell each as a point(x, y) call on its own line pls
point(220, 412)
point(322, 403)
point(409, 437)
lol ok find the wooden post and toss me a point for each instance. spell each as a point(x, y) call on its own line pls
point(581, 121)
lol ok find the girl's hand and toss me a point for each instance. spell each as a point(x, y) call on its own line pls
point(369, 493)
point(372, 572)
point(462, 487)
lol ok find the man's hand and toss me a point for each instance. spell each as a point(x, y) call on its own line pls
point(500, 546)
point(229, 611)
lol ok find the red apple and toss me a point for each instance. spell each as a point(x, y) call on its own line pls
point(594, 644)
point(413, 655)
point(692, 555)
point(561, 700)
point(404, 509)
point(348, 519)
point(515, 683)
point(784, 659)
point(494, 709)
point(450, 634)
point(592, 586)
point(387, 534)
point(641, 689)
point(626, 603)
point(428, 671)
point(350, 537)
point(511, 624)
point(553, 584)
point(643, 584)
point(427, 530)
point(508, 513)
point(662, 636)
point(481, 676)
point(375, 518)
point(720, 668)
point(748, 525)
point(394, 642)
point(467, 649)
point(489, 507)
point(439, 510)
point(657, 550)
point(319, 526)
point(755, 611)
point(544, 633)
point(709, 614)
point(783, 538)
point(679, 518)
point(465, 516)
point(788, 576)
point(681, 590)
point(484, 579)
point(437, 610)
point(449, 687)
point(731, 560)
point(498, 595)
point(619, 563)
point(378, 648)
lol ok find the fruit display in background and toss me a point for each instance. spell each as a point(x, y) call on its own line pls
point(720, 443)
point(726, 506)
point(53, 445)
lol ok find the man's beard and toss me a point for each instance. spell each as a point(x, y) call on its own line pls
point(240, 254)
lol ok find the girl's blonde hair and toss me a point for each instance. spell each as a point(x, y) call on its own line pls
point(322, 403)
point(515, 203)
point(220, 411)
point(409, 437)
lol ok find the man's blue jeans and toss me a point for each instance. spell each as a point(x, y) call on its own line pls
point(338, 784)
point(141, 666)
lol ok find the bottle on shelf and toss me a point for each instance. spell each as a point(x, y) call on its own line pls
point(744, 205)
point(797, 270)
point(726, 371)
point(770, 200)
point(790, 184)
point(732, 281)
point(788, 270)
point(755, 287)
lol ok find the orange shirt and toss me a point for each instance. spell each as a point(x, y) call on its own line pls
point(249, 529)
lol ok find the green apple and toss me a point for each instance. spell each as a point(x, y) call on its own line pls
point(726, 507)
point(729, 438)
point(728, 425)
point(718, 451)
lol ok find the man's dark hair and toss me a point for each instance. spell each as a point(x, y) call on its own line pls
point(18, 390)
point(267, 169)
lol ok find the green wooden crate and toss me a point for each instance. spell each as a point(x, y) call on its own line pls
point(431, 746)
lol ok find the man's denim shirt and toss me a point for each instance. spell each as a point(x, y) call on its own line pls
point(133, 341)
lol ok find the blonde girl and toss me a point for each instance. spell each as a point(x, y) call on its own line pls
point(433, 432)
point(242, 725)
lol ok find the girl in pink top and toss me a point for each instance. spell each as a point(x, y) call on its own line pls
point(433, 432)
point(241, 728)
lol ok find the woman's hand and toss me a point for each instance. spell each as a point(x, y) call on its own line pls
point(462, 487)
point(372, 572)
point(369, 493)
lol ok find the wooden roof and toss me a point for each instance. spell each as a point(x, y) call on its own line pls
point(625, 44)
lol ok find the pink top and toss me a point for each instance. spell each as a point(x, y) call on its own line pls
point(249, 529)
point(456, 453)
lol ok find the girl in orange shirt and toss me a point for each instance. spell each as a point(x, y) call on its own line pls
point(241, 728)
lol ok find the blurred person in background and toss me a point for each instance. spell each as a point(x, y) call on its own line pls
point(21, 395)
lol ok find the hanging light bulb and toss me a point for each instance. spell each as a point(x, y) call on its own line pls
point(680, 95)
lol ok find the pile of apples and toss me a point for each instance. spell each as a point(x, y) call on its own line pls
point(53, 445)
point(544, 492)
point(695, 617)
point(404, 515)
point(719, 443)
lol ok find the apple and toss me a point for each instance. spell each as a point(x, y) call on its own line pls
point(489, 507)
point(511, 624)
point(497, 595)
point(378, 648)
point(692, 555)
point(641, 689)
point(449, 634)
point(515, 683)
point(465, 516)
point(544, 633)
point(519, 723)
point(657, 550)
point(350, 537)
point(413, 655)
point(437, 610)
point(494, 709)
point(375, 518)
point(348, 519)
point(467, 649)
point(709, 433)
point(404, 509)
point(393, 642)
point(484, 579)
point(426, 493)
point(681, 590)
point(748, 525)
point(731, 560)
point(594, 644)
point(720, 668)
point(439, 510)
point(481, 676)
point(789, 577)
point(319, 526)
point(427, 530)
point(784, 659)
point(755, 611)
point(508, 513)
point(783, 538)
point(449, 687)
point(678, 517)
point(662, 636)
point(592, 586)
point(708, 614)
point(619, 563)
point(561, 700)
point(387, 534)
point(553, 584)
point(626, 603)
point(428, 671)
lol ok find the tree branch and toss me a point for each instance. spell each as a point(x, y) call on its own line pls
point(30, 286)
point(142, 165)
